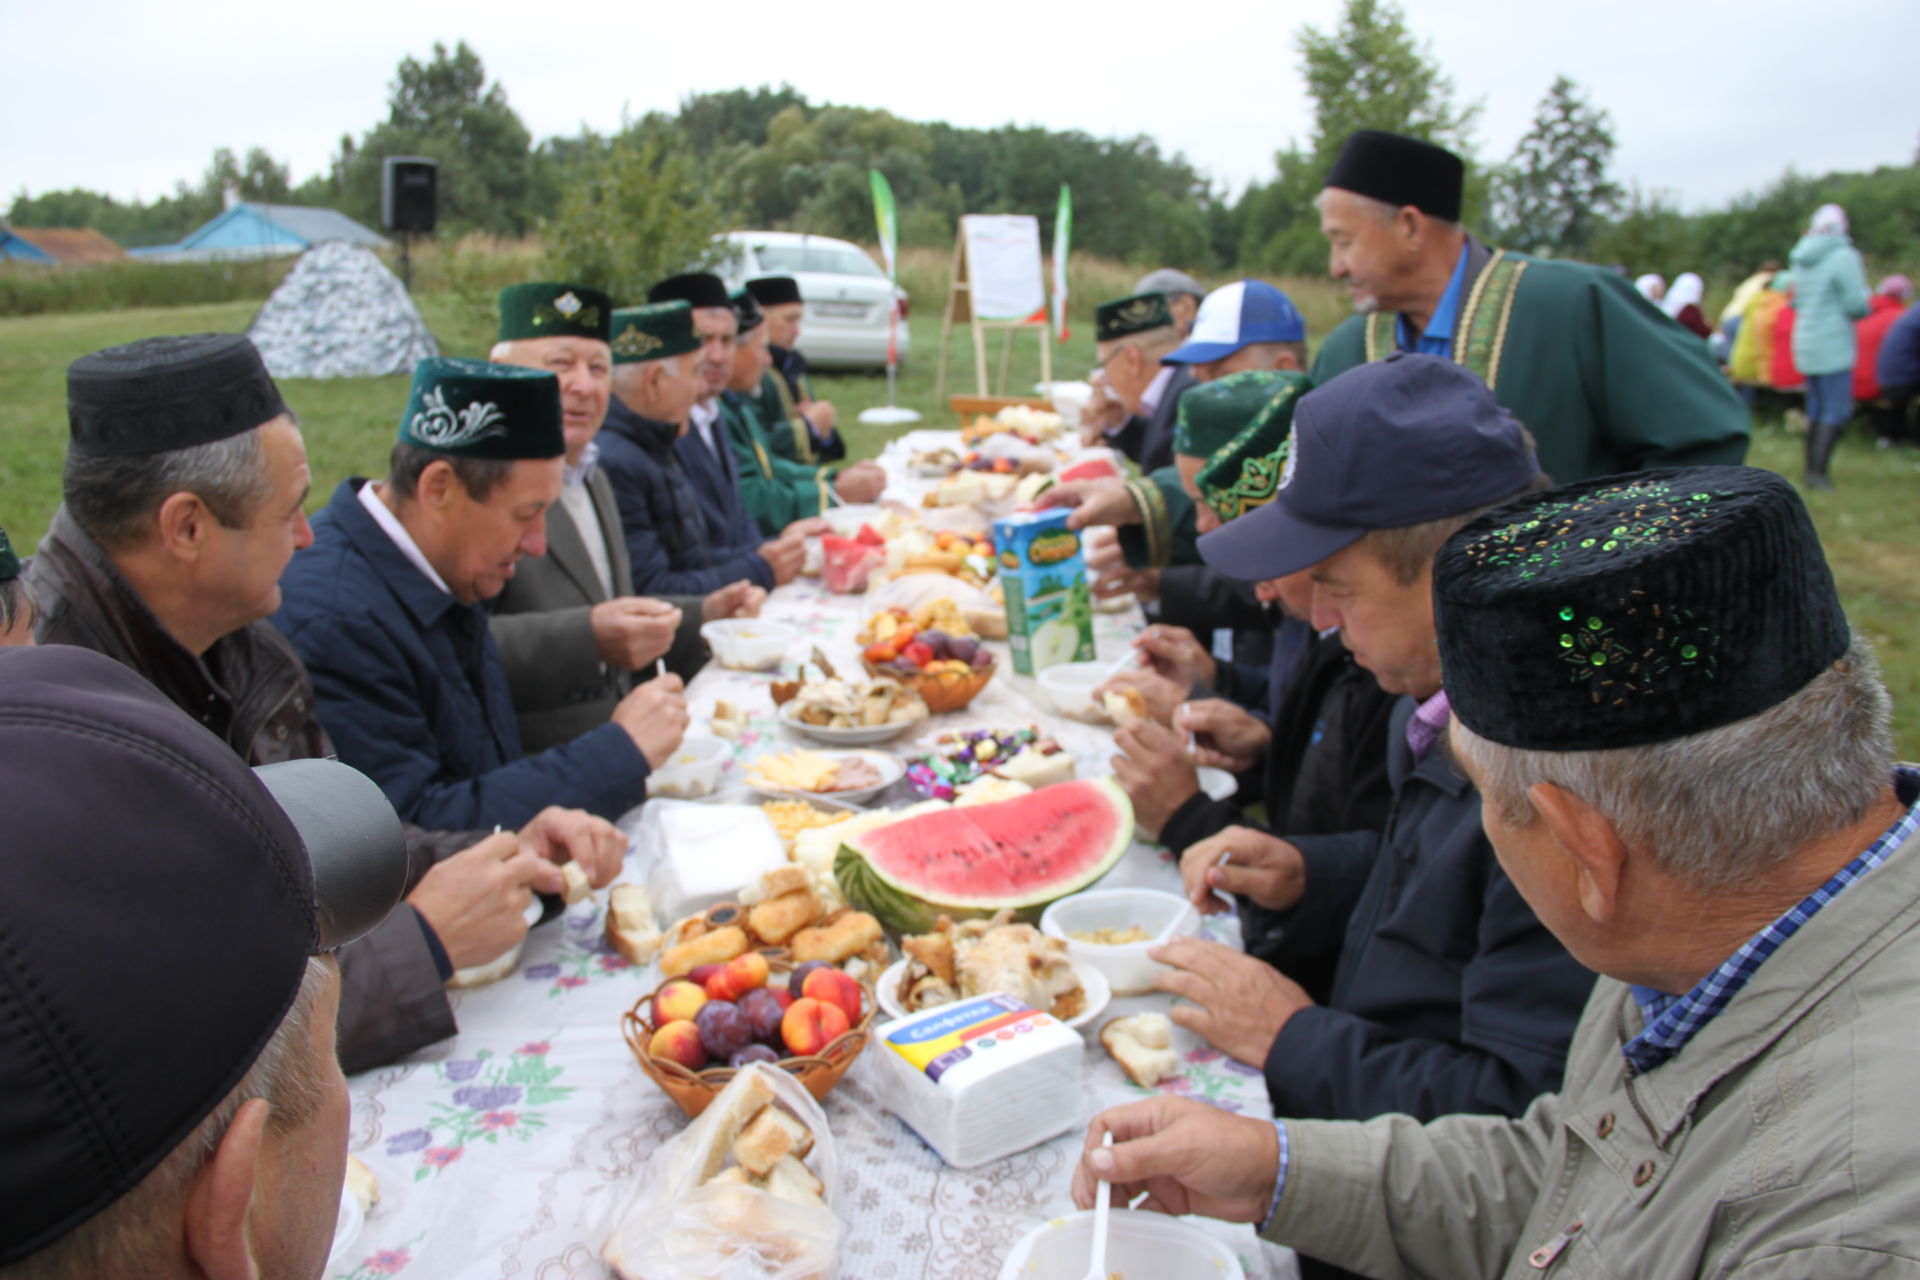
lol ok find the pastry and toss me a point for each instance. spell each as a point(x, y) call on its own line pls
point(1143, 1046)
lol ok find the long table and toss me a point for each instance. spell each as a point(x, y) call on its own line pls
point(511, 1149)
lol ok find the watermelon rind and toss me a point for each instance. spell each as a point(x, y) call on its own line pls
point(899, 909)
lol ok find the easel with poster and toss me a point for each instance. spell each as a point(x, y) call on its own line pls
point(997, 284)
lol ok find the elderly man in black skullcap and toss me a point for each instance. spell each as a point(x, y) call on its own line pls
point(801, 426)
point(1687, 761)
point(1605, 380)
point(173, 1103)
point(184, 490)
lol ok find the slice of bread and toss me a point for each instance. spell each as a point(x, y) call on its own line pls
point(791, 1180)
point(575, 887)
point(631, 928)
point(1143, 1046)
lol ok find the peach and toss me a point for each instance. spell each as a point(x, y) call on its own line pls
point(699, 974)
point(837, 988)
point(678, 1001)
point(810, 1025)
point(679, 1042)
point(738, 976)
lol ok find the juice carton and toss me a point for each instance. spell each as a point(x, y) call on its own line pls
point(1044, 578)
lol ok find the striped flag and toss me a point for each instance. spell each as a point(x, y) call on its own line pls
point(1062, 242)
point(889, 223)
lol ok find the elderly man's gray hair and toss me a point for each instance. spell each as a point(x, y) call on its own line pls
point(115, 497)
point(1715, 809)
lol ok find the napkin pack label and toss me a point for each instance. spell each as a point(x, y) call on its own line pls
point(986, 1029)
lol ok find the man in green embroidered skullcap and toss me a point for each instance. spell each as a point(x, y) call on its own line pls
point(1607, 380)
point(777, 491)
point(17, 607)
point(1136, 396)
point(572, 631)
point(386, 610)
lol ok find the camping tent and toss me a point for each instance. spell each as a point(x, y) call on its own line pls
point(340, 314)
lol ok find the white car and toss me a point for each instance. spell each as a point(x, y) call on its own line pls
point(845, 293)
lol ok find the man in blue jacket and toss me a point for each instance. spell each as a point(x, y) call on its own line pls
point(1448, 995)
point(385, 609)
point(666, 516)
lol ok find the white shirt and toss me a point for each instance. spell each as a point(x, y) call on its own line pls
point(390, 523)
point(1150, 398)
point(578, 503)
point(705, 413)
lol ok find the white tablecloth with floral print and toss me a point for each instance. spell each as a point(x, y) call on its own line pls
point(512, 1148)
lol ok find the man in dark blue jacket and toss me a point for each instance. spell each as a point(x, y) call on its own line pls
point(1447, 995)
point(385, 610)
point(666, 514)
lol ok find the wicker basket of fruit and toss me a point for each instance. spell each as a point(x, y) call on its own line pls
point(931, 651)
point(691, 1039)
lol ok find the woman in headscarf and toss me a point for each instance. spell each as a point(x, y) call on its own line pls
point(1890, 298)
point(1829, 294)
point(1683, 303)
point(1652, 286)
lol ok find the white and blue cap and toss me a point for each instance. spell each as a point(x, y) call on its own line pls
point(1237, 315)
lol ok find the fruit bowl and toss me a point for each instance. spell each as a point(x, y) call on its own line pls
point(943, 690)
point(693, 1090)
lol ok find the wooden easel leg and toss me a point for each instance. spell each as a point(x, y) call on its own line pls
point(1006, 355)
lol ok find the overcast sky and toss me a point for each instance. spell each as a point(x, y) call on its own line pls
point(1709, 98)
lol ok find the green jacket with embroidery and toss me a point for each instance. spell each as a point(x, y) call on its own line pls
point(1606, 382)
point(1167, 532)
point(776, 491)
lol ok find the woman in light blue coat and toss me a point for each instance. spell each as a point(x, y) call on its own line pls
point(1829, 293)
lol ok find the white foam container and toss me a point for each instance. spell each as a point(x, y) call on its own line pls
point(1128, 969)
point(1069, 687)
point(692, 771)
point(1140, 1246)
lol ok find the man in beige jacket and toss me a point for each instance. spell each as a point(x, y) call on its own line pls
point(1686, 763)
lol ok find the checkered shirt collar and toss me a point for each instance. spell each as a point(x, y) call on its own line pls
point(1673, 1021)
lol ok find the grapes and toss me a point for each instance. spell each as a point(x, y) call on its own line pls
point(724, 1030)
point(753, 1053)
point(763, 1012)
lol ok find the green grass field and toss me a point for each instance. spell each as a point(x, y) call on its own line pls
point(1870, 524)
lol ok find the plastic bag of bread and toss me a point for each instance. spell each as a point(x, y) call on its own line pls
point(745, 1192)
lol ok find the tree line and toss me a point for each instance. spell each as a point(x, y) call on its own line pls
point(624, 206)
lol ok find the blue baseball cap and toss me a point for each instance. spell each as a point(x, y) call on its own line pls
point(1235, 315)
point(1408, 439)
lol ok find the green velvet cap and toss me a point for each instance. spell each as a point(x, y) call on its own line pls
point(473, 409)
point(653, 332)
point(1126, 316)
point(1244, 472)
point(746, 308)
point(9, 562)
point(554, 309)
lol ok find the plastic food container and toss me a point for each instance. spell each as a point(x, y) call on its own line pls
point(1069, 688)
point(1140, 1246)
point(1128, 969)
point(749, 644)
point(691, 772)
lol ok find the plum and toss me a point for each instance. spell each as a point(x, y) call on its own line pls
point(764, 1011)
point(962, 648)
point(754, 1053)
point(724, 1030)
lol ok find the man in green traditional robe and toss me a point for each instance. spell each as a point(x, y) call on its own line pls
point(778, 491)
point(800, 425)
point(1605, 380)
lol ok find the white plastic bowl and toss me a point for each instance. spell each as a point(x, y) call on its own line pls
point(1128, 968)
point(1217, 783)
point(692, 772)
point(1069, 688)
point(1140, 1246)
point(749, 644)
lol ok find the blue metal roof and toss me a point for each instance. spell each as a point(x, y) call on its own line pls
point(255, 227)
point(15, 248)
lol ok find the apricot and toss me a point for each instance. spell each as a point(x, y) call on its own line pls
point(738, 976)
point(837, 988)
point(810, 1025)
point(679, 1042)
point(677, 1001)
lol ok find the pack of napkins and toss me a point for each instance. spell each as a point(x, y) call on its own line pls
point(695, 855)
point(981, 1078)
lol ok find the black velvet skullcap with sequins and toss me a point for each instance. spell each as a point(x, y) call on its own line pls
point(1634, 609)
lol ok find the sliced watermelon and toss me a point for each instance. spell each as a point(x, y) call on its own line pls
point(1091, 469)
point(1017, 855)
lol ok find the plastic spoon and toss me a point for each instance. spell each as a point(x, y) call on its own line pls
point(1102, 1200)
